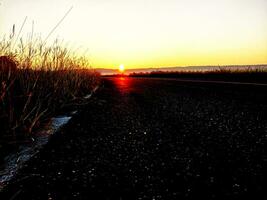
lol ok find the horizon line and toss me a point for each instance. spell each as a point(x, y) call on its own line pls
point(226, 65)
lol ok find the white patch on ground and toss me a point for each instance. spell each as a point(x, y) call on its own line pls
point(88, 96)
point(59, 121)
point(27, 150)
point(15, 161)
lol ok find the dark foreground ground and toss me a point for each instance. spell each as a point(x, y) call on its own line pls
point(155, 139)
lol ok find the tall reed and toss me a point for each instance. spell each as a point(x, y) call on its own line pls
point(44, 79)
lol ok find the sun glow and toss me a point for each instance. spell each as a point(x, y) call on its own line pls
point(148, 33)
point(121, 68)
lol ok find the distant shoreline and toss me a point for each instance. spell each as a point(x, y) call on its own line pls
point(105, 71)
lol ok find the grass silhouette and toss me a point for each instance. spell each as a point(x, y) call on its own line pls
point(37, 80)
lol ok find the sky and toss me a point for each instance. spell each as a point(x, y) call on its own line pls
point(149, 33)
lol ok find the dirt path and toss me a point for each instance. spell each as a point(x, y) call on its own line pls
point(155, 139)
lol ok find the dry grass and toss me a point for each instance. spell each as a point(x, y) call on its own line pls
point(36, 80)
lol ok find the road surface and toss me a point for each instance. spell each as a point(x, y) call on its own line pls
point(155, 139)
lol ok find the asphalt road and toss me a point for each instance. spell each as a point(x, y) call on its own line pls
point(155, 139)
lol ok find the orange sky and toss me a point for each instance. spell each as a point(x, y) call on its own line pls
point(150, 33)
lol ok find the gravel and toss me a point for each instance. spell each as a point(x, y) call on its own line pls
point(155, 139)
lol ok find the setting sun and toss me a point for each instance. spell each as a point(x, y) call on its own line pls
point(144, 34)
point(154, 99)
point(121, 68)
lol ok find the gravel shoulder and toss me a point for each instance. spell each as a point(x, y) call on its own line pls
point(141, 138)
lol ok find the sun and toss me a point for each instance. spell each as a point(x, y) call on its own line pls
point(121, 68)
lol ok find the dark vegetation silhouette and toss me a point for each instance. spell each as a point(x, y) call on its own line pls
point(38, 80)
point(37, 83)
point(231, 75)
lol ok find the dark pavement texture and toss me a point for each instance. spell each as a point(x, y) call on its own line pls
point(155, 139)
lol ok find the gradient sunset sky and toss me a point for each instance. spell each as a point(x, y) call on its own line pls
point(149, 33)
